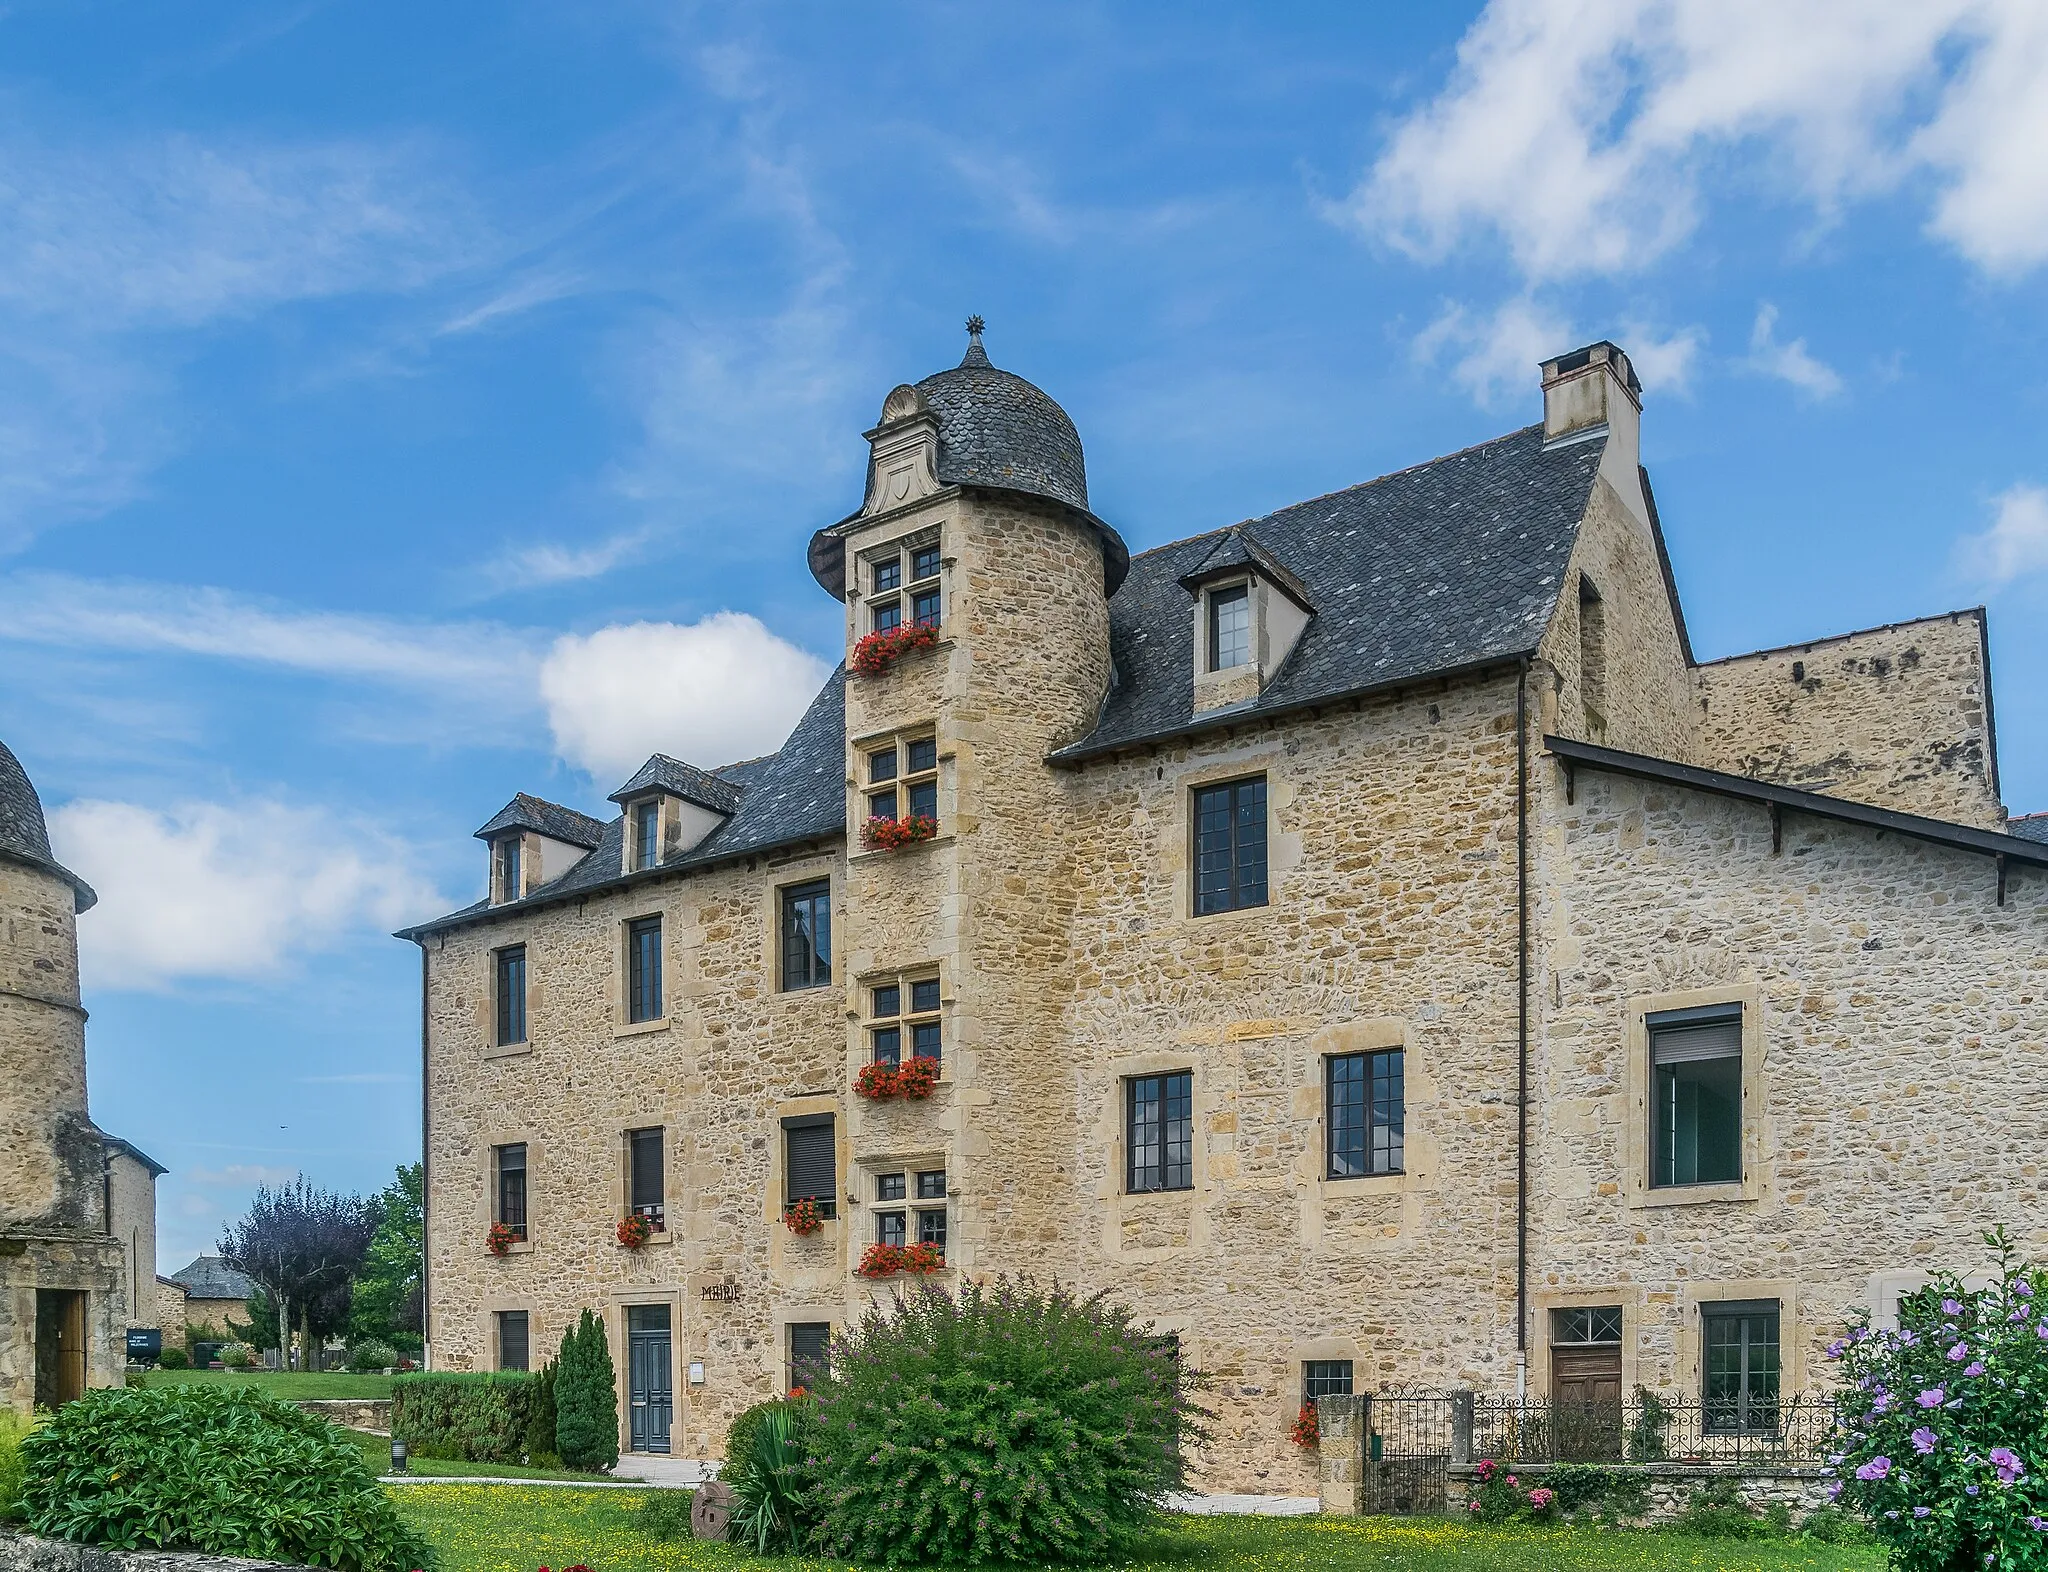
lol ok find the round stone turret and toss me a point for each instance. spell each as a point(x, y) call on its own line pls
point(24, 837)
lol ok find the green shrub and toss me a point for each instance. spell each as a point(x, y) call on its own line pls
point(1830, 1525)
point(219, 1469)
point(174, 1359)
point(238, 1356)
point(771, 1509)
point(1612, 1493)
point(476, 1418)
point(1717, 1510)
point(12, 1428)
point(1649, 1433)
point(1012, 1424)
point(586, 1398)
point(369, 1357)
point(665, 1514)
point(540, 1416)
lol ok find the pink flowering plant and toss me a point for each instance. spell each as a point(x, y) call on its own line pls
point(1504, 1496)
point(1941, 1442)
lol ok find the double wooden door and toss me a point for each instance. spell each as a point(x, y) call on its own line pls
point(1585, 1402)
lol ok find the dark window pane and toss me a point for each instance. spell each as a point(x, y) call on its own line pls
point(1741, 1368)
point(931, 1229)
point(924, 608)
point(807, 935)
point(512, 995)
point(924, 996)
point(1365, 1114)
point(512, 1340)
point(924, 799)
point(1325, 1378)
point(646, 834)
point(882, 805)
point(888, 1187)
point(888, 616)
point(647, 1175)
point(809, 1342)
point(1230, 846)
point(508, 868)
point(931, 1184)
point(1159, 1132)
point(924, 563)
point(889, 574)
point(643, 969)
point(1586, 1324)
point(924, 1039)
point(921, 754)
point(812, 1164)
point(1696, 1098)
point(882, 765)
point(512, 1188)
point(889, 1228)
point(1230, 628)
point(888, 1044)
point(888, 1001)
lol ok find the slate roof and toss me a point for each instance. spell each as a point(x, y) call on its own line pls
point(545, 818)
point(1450, 565)
point(661, 773)
point(1238, 548)
point(2029, 826)
point(796, 794)
point(210, 1277)
point(24, 836)
point(114, 1143)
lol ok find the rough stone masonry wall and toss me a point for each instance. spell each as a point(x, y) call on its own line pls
point(1896, 1096)
point(28, 1553)
point(50, 1173)
point(1897, 716)
point(1672, 1486)
point(732, 1052)
point(1391, 922)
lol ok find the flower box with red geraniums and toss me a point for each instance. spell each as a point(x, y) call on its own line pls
point(501, 1238)
point(634, 1231)
point(879, 651)
point(914, 1078)
point(886, 1260)
point(803, 1216)
point(882, 833)
point(1308, 1427)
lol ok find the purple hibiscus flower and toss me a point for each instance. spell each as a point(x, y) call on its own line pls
point(1950, 1307)
point(1922, 1511)
point(1923, 1441)
point(1876, 1468)
point(1959, 1353)
point(2007, 1462)
point(1933, 1397)
point(1974, 1368)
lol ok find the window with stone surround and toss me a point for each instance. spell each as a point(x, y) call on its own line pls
point(806, 935)
point(1365, 1113)
point(1695, 1095)
point(512, 1340)
point(809, 1345)
point(1325, 1378)
point(810, 1156)
point(1230, 627)
point(905, 584)
point(508, 989)
point(903, 1019)
point(507, 856)
point(1230, 846)
point(1740, 1365)
point(646, 822)
point(903, 778)
point(508, 1164)
point(646, 1180)
point(643, 970)
point(900, 1220)
point(1159, 1132)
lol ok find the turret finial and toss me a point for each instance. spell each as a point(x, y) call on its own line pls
point(976, 355)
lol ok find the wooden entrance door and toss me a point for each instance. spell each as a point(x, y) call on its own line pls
point(650, 1378)
point(60, 1346)
point(1585, 1397)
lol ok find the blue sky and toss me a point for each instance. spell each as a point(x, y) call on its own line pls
point(403, 406)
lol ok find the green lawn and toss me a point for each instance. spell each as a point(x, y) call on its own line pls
point(376, 1451)
point(281, 1383)
point(484, 1528)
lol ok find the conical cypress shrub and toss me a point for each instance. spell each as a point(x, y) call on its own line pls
point(586, 1404)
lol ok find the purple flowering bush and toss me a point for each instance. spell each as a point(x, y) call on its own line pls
point(1943, 1445)
point(1007, 1424)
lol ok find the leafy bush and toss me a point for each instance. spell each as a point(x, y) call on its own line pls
point(1945, 1448)
point(1505, 1496)
point(665, 1514)
point(219, 1469)
point(372, 1356)
point(771, 1507)
point(1011, 1423)
point(1649, 1433)
point(540, 1416)
point(237, 1356)
point(1719, 1510)
point(12, 1428)
point(1830, 1525)
point(174, 1359)
point(1613, 1493)
point(476, 1418)
point(586, 1398)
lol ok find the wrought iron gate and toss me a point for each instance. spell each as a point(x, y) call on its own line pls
point(1407, 1446)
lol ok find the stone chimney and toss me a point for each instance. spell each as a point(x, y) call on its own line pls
point(1592, 389)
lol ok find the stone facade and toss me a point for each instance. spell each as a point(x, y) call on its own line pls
point(1892, 1094)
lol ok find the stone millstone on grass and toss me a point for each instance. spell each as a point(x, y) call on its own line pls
point(710, 1511)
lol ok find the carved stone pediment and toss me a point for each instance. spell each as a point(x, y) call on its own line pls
point(904, 462)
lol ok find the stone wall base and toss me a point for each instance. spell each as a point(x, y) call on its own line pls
point(27, 1553)
point(357, 1413)
point(1802, 1490)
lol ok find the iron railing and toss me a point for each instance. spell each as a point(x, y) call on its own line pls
point(1789, 1432)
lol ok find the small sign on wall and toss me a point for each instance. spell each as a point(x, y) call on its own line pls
point(719, 1290)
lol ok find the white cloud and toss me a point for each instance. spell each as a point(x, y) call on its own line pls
point(709, 692)
point(1585, 133)
point(1791, 362)
point(2016, 544)
point(1496, 358)
point(1664, 365)
point(239, 1176)
point(228, 890)
point(532, 567)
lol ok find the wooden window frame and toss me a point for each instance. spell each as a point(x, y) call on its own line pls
point(1239, 894)
point(508, 1002)
point(501, 1191)
point(1379, 1158)
point(637, 1143)
point(894, 605)
point(1173, 1089)
point(815, 893)
point(1221, 595)
point(902, 785)
point(646, 997)
point(908, 1021)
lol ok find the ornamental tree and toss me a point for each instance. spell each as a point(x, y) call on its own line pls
point(1942, 1440)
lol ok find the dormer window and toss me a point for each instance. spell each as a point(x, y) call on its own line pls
point(1230, 627)
point(510, 868)
point(647, 832)
point(904, 588)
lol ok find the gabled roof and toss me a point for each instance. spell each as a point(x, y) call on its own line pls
point(545, 818)
point(1238, 548)
point(115, 1144)
point(791, 796)
point(2029, 826)
point(1450, 565)
point(661, 773)
point(210, 1277)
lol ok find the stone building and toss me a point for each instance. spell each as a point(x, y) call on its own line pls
point(1364, 938)
point(131, 1219)
point(64, 1276)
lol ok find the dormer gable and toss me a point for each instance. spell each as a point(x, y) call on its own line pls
point(1249, 612)
point(669, 808)
point(534, 842)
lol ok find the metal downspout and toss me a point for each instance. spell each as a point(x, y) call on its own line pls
point(1522, 1028)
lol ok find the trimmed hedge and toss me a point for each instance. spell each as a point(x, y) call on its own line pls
point(219, 1469)
point(467, 1417)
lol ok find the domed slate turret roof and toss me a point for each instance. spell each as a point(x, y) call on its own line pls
point(24, 837)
